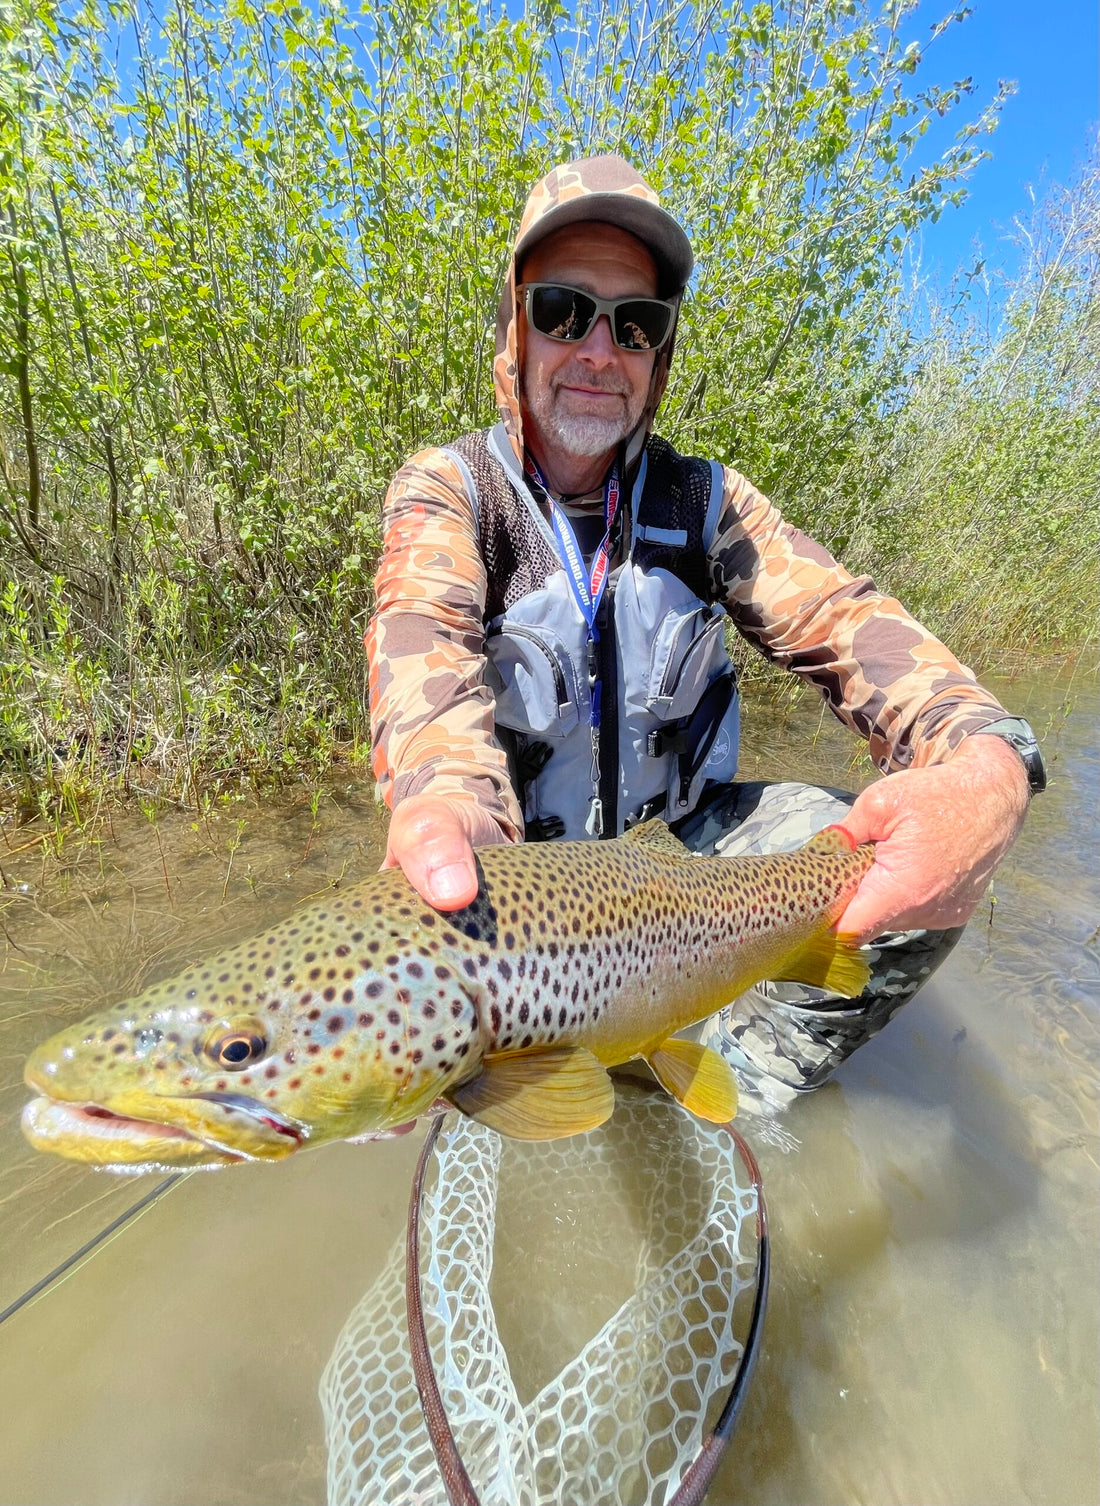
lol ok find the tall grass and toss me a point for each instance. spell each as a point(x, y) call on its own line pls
point(249, 260)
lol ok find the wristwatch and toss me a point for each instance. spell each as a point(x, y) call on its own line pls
point(1018, 734)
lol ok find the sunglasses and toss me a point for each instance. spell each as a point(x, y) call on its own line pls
point(563, 313)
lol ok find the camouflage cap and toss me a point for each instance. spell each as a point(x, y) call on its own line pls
point(609, 190)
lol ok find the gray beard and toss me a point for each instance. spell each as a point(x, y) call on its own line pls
point(582, 436)
point(585, 437)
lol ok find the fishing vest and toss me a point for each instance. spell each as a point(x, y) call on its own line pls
point(669, 719)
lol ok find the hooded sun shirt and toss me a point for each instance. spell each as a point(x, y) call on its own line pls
point(432, 702)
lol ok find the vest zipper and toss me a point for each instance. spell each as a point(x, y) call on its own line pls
point(609, 713)
point(675, 667)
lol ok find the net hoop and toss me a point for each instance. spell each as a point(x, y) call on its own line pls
point(697, 1478)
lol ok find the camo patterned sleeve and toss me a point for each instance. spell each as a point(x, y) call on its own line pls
point(431, 710)
point(884, 676)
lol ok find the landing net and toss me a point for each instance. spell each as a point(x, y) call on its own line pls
point(578, 1365)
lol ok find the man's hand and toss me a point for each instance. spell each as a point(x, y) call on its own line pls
point(940, 833)
point(432, 838)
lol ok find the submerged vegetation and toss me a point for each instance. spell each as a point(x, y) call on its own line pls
point(249, 260)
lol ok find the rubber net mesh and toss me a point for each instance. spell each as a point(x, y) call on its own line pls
point(578, 1365)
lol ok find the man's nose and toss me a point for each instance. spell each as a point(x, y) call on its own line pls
point(598, 347)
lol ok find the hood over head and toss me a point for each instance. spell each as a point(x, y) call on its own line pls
point(605, 189)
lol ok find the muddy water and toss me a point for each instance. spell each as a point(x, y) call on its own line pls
point(932, 1334)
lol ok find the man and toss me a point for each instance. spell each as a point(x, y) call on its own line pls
point(546, 655)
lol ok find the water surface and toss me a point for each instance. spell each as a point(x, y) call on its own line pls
point(933, 1329)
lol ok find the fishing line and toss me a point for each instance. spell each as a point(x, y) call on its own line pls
point(105, 1235)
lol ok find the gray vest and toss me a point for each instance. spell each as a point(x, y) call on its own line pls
point(669, 697)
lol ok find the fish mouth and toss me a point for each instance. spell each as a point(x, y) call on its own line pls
point(217, 1129)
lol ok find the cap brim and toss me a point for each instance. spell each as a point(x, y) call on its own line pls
point(655, 228)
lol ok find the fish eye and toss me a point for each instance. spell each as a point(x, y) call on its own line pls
point(236, 1049)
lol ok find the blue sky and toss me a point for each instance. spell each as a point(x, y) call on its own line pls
point(1050, 49)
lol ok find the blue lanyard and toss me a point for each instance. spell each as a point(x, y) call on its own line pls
point(588, 587)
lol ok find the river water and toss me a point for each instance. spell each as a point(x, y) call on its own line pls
point(932, 1334)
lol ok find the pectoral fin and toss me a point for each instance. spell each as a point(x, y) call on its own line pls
point(697, 1077)
point(538, 1095)
point(828, 960)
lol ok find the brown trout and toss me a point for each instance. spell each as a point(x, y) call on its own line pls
point(357, 1013)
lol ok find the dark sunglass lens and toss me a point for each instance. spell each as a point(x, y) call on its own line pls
point(641, 324)
point(561, 313)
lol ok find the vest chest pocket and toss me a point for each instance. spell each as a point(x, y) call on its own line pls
point(533, 679)
point(688, 651)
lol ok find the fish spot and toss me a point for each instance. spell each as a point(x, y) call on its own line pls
point(456, 1009)
point(366, 1019)
point(328, 995)
point(272, 1071)
point(428, 1011)
point(395, 1047)
point(314, 1014)
point(342, 951)
point(295, 1082)
point(335, 1023)
point(348, 995)
point(312, 1049)
point(418, 1056)
point(439, 1043)
point(373, 989)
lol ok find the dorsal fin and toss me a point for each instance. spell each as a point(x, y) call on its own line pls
point(656, 839)
point(831, 839)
